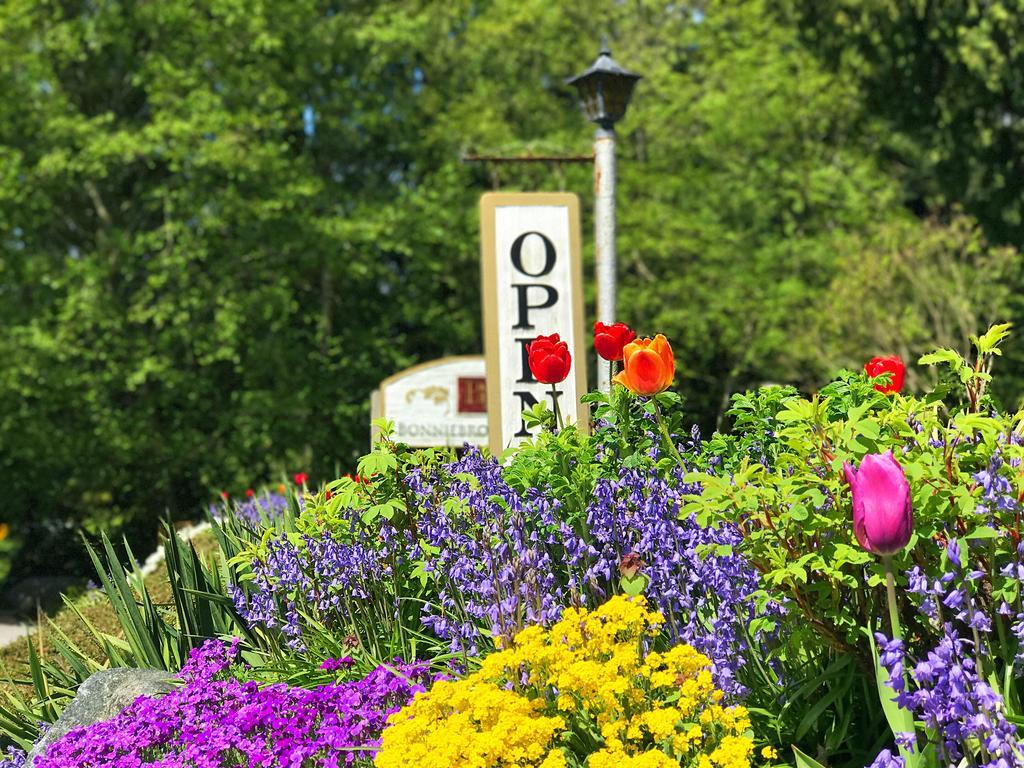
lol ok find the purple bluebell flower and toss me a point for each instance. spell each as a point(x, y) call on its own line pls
point(496, 559)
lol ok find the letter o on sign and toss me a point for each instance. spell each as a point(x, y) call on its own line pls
point(517, 255)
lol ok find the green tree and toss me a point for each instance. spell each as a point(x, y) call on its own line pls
point(946, 75)
point(747, 167)
point(201, 286)
point(906, 292)
point(223, 222)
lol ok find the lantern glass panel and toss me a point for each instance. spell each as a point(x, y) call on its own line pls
point(617, 91)
point(590, 95)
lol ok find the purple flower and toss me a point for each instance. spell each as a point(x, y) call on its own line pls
point(15, 758)
point(214, 720)
point(333, 665)
point(887, 759)
point(997, 490)
point(490, 559)
point(950, 695)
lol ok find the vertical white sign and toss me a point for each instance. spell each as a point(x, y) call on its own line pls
point(532, 286)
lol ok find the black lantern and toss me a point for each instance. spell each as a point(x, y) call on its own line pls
point(605, 89)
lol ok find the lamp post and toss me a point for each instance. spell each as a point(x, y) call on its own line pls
point(605, 89)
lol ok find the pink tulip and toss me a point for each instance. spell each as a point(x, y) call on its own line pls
point(882, 515)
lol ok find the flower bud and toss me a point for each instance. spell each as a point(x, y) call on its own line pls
point(630, 565)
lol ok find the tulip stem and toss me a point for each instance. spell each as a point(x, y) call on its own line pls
point(559, 425)
point(664, 431)
point(890, 589)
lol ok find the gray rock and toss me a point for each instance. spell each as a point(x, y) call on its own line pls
point(101, 697)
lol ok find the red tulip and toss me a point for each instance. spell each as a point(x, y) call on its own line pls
point(300, 478)
point(224, 495)
point(610, 339)
point(328, 494)
point(250, 492)
point(892, 365)
point(549, 359)
point(883, 519)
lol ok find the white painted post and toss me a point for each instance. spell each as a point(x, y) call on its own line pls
point(604, 237)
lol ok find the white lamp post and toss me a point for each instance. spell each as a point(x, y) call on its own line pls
point(605, 90)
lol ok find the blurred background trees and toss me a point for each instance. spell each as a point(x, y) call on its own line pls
point(223, 222)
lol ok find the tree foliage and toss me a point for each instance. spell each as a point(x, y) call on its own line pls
point(946, 76)
point(222, 223)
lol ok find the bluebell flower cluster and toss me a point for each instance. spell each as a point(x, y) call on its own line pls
point(323, 574)
point(498, 560)
point(886, 759)
point(256, 510)
point(14, 758)
point(997, 491)
point(946, 687)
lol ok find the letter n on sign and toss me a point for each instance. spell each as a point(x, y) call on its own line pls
point(532, 286)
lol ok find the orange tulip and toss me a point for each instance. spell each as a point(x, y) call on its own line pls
point(648, 366)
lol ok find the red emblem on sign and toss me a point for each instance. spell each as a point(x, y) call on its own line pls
point(472, 394)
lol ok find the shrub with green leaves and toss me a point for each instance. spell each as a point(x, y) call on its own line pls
point(961, 456)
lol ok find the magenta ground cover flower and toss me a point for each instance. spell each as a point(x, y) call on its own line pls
point(214, 721)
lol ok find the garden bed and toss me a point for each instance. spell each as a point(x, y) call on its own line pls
point(836, 581)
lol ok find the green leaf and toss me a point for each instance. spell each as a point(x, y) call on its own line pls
point(799, 512)
point(983, 532)
point(949, 356)
point(989, 342)
point(634, 585)
point(805, 761)
point(900, 720)
point(869, 428)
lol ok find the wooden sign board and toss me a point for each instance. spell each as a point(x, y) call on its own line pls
point(438, 403)
point(532, 285)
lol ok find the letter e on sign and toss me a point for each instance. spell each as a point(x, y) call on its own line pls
point(532, 286)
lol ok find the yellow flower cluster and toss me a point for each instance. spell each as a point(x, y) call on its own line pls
point(472, 723)
point(584, 690)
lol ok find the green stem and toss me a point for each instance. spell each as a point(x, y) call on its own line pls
point(890, 590)
point(558, 413)
point(664, 431)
